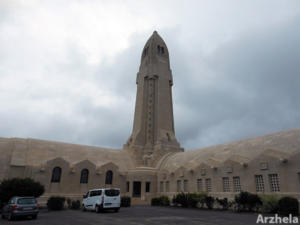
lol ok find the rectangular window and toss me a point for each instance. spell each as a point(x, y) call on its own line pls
point(147, 186)
point(208, 184)
point(259, 181)
point(161, 188)
point(185, 185)
point(299, 176)
point(226, 185)
point(178, 185)
point(236, 184)
point(167, 186)
point(199, 185)
point(127, 186)
point(274, 182)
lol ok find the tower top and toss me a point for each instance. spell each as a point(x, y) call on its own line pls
point(155, 50)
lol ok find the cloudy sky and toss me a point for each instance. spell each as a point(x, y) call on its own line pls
point(68, 68)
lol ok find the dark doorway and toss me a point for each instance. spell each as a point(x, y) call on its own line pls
point(136, 192)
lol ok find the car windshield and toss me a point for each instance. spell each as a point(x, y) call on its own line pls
point(112, 192)
point(26, 201)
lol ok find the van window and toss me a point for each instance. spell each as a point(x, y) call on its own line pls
point(112, 192)
point(95, 193)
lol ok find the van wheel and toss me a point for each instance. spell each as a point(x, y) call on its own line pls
point(97, 209)
point(117, 209)
point(10, 216)
point(83, 208)
point(34, 217)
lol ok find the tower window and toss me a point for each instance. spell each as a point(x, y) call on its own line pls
point(158, 49)
point(145, 51)
point(84, 177)
point(56, 174)
point(162, 50)
point(168, 136)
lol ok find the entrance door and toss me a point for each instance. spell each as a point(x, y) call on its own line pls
point(136, 192)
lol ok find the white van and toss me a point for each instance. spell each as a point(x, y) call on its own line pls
point(103, 198)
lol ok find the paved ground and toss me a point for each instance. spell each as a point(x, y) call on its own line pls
point(138, 215)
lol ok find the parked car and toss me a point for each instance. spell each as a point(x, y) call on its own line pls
point(101, 199)
point(20, 206)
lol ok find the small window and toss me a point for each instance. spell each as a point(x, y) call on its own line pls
point(259, 181)
point(178, 185)
point(236, 184)
point(95, 193)
point(208, 184)
point(109, 177)
point(162, 50)
point(56, 174)
point(84, 177)
point(299, 176)
point(199, 185)
point(112, 192)
point(274, 182)
point(147, 186)
point(161, 187)
point(127, 186)
point(185, 185)
point(158, 49)
point(226, 184)
point(167, 186)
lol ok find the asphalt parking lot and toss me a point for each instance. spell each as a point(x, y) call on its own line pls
point(138, 215)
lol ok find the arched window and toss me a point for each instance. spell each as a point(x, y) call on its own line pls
point(56, 174)
point(109, 177)
point(84, 177)
point(158, 49)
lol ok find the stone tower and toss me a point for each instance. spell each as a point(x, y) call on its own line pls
point(153, 134)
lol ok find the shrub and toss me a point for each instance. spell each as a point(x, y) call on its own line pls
point(180, 199)
point(20, 187)
point(189, 199)
point(125, 201)
point(246, 201)
point(270, 203)
point(75, 204)
point(224, 203)
point(209, 201)
point(160, 201)
point(288, 205)
point(55, 203)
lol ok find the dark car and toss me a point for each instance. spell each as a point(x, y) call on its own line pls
point(21, 206)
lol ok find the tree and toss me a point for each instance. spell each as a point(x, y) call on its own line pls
point(20, 187)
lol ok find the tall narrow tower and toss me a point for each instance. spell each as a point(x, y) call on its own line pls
point(153, 134)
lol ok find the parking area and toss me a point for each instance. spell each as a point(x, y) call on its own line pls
point(138, 215)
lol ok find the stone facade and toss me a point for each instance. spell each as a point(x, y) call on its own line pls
point(152, 162)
